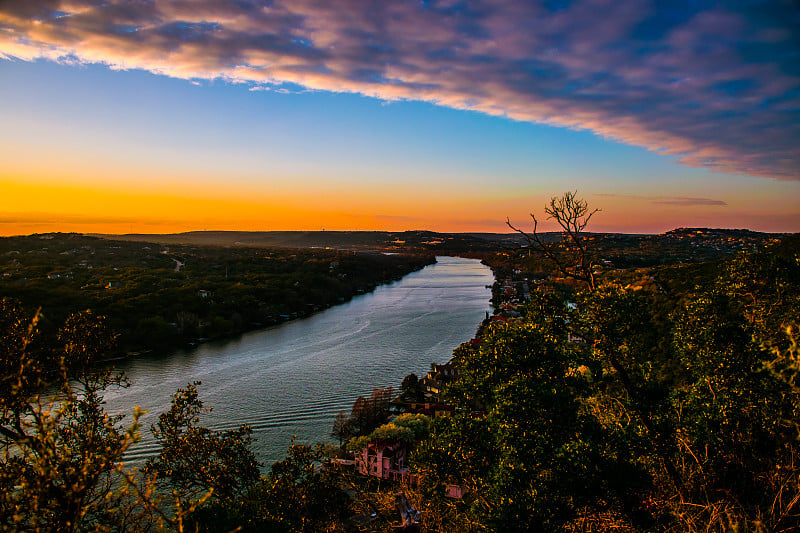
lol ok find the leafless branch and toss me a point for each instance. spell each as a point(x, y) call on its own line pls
point(573, 215)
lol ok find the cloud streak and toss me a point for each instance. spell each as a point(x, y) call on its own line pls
point(682, 201)
point(715, 85)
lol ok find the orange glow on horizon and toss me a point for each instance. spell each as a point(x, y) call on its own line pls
point(42, 206)
point(50, 206)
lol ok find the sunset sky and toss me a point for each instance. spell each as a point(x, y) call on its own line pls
point(174, 115)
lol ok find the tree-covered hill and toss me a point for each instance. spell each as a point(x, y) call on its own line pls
point(597, 410)
point(408, 241)
point(594, 410)
point(159, 296)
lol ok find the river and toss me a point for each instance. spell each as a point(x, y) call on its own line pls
point(292, 379)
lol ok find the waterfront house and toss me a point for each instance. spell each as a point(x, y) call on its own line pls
point(385, 459)
point(438, 376)
point(431, 409)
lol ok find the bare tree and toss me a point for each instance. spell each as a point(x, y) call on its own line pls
point(570, 257)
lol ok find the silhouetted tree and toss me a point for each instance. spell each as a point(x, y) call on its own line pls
point(572, 257)
point(411, 388)
point(342, 428)
point(369, 413)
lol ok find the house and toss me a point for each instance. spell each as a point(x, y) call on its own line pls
point(572, 338)
point(438, 376)
point(431, 409)
point(385, 459)
point(455, 492)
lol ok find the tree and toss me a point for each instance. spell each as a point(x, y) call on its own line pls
point(572, 257)
point(369, 413)
point(617, 431)
point(537, 455)
point(411, 389)
point(195, 460)
point(61, 468)
point(342, 428)
point(297, 496)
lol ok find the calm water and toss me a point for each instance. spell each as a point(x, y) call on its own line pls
point(292, 379)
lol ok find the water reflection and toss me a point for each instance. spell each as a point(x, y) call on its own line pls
point(292, 379)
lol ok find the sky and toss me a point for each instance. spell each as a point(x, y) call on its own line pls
point(156, 116)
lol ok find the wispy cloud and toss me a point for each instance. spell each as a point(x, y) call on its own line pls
point(716, 87)
point(684, 201)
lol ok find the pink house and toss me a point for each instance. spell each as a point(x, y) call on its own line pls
point(386, 460)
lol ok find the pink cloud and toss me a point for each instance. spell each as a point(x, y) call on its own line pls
point(683, 201)
point(716, 88)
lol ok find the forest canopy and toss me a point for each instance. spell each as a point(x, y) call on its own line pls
point(669, 406)
point(589, 420)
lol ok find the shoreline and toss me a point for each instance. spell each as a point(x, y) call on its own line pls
point(279, 321)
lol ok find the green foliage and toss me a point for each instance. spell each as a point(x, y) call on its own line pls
point(60, 467)
point(297, 496)
point(614, 414)
point(156, 330)
point(536, 454)
point(732, 414)
point(217, 292)
point(195, 459)
point(418, 424)
point(410, 428)
point(764, 288)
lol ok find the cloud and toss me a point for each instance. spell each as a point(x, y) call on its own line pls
point(711, 84)
point(683, 201)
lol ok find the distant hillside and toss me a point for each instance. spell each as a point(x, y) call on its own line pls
point(343, 240)
point(678, 245)
point(693, 232)
point(546, 236)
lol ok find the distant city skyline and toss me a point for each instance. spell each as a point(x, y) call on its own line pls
point(156, 117)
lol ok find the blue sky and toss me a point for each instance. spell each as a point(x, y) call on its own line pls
point(447, 117)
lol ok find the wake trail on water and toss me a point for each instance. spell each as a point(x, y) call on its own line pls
point(294, 378)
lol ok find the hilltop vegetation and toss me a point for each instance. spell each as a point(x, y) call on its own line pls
point(598, 410)
point(666, 399)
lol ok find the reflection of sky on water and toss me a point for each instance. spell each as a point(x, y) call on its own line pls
point(294, 378)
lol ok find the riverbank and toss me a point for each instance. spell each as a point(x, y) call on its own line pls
point(301, 309)
point(158, 298)
point(292, 379)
